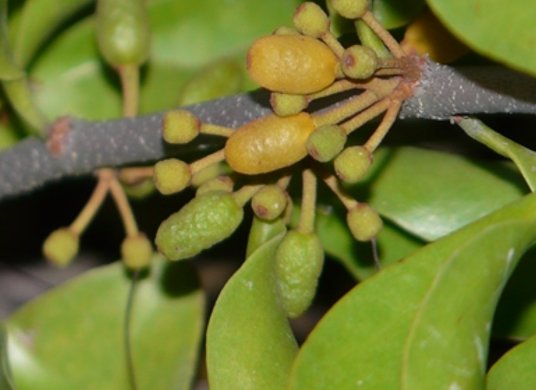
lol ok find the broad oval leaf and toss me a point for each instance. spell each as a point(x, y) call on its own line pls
point(73, 336)
point(384, 334)
point(515, 317)
point(515, 370)
point(431, 194)
point(250, 344)
point(503, 31)
point(393, 243)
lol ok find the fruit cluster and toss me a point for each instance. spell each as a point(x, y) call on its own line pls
point(298, 66)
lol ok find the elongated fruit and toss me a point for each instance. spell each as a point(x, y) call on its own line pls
point(298, 264)
point(293, 64)
point(203, 222)
point(269, 143)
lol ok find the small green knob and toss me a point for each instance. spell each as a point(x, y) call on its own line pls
point(61, 246)
point(136, 251)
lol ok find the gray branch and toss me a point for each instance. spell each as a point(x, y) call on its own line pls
point(79, 147)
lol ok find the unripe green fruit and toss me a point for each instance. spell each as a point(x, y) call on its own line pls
point(136, 251)
point(364, 222)
point(269, 203)
point(298, 264)
point(201, 223)
point(123, 31)
point(140, 190)
point(350, 9)
point(359, 62)
point(223, 183)
point(171, 176)
point(180, 127)
point(326, 142)
point(352, 164)
point(269, 143)
point(311, 20)
point(285, 104)
point(61, 246)
point(291, 63)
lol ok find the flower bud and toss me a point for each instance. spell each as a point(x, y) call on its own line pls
point(61, 246)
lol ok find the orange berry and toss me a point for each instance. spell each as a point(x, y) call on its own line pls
point(269, 143)
point(293, 64)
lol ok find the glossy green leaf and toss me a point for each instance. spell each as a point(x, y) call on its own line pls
point(37, 20)
point(5, 370)
point(393, 244)
point(515, 370)
point(431, 194)
point(503, 31)
point(250, 345)
point(8, 69)
point(73, 336)
point(262, 232)
point(187, 35)
point(422, 323)
point(515, 317)
point(396, 13)
point(525, 159)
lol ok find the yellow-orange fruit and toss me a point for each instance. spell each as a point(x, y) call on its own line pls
point(269, 143)
point(427, 35)
point(293, 64)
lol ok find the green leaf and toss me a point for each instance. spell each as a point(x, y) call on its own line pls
point(73, 336)
point(515, 317)
point(431, 194)
point(396, 13)
point(525, 159)
point(187, 35)
point(423, 323)
point(5, 371)
point(393, 244)
point(502, 31)
point(515, 370)
point(249, 341)
point(8, 68)
point(37, 21)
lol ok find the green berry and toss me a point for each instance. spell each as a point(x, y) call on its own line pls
point(61, 246)
point(326, 142)
point(269, 203)
point(223, 183)
point(180, 127)
point(359, 62)
point(285, 104)
point(201, 223)
point(123, 31)
point(353, 163)
point(311, 20)
point(350, 9)
point(171, 176)
point(136, 251)
point(140, 190)
point(298, 264)
point(364, 222)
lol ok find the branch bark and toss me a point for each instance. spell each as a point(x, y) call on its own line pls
point(78, 147)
